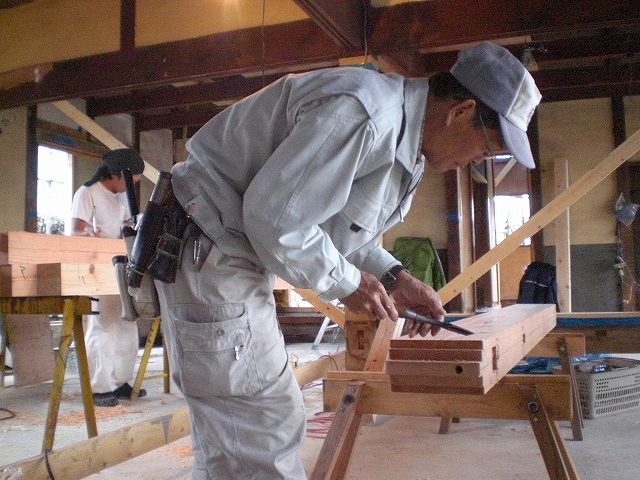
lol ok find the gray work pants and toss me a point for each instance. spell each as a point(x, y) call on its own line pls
point(228, 358)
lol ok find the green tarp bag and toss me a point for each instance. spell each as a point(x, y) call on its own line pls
point(419, 256)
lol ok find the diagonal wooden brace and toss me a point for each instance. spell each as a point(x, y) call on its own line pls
point(335, 454)
point(554, 451)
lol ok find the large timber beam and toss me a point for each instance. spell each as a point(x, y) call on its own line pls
point(286, 46)
point(90, 456)
point(305, 45)
point(343, 20)
point(429, 24)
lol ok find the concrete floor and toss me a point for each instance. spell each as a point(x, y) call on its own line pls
point(394, 448)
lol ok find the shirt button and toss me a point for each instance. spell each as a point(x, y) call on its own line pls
point(220, 332)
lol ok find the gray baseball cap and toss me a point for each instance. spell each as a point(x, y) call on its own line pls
point(501, 82)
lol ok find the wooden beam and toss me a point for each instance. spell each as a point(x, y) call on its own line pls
point(292, 46)
point(170, 96)
point(343, 20)
point(538, 221)
point(429, 24)
point(563, 238)
point(505, 170)
point(378, 398)
point(328, 309)
point(95, 454)
point(333, 459)
point(312, 371)
point(25, 248)
point(502, 338)
point(101, 134)
point(63, 279)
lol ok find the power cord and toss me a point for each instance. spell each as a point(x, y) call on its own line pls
point(9, 415)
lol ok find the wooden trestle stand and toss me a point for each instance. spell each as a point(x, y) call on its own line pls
point(541, 399)
point(58, 275)
point(451, 376)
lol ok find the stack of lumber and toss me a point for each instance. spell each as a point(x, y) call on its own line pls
point(53, 265)
point(452, 363)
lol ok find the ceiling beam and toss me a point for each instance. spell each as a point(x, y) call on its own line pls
point(343, 20)
point(195, 118)
point(449, 22)
point(172, 96)
point(218, 55)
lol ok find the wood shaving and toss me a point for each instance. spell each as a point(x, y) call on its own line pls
point(102, 413)
point(181, 451)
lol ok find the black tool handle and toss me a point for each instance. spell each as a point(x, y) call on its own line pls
point(134, 210)
point(411, 315)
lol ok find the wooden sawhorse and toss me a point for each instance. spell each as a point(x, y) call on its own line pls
point(542, 399)
point(151, 338)
point(72, 309)
point(564, 346)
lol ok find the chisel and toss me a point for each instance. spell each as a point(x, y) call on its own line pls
point(411, 315)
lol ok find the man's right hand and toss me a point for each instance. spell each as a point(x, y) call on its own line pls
point(371, 297)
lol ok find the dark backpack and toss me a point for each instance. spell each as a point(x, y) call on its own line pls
point(538, 284)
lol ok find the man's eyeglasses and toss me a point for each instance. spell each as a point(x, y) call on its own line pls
point(490, 154)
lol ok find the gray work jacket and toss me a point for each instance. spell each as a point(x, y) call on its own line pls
point(304, 175)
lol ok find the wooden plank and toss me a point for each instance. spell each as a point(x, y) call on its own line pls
point(27, 248)
point(485, 327)
point(563, 238)
point(380, 346)
point(63, 279)
point(101, 134)
point(312, 371)
point(86, 279)
point(501, 402)
point(333, 458)
point(545, 215)
point(434, 368)
point(505, 337)
point(328, 309)
point(24, 280)
point(85, 458)
point(440, 354)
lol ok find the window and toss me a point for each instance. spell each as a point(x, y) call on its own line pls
point(511, 212)
point(54, 190)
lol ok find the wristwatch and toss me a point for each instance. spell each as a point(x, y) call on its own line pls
point(390, 276)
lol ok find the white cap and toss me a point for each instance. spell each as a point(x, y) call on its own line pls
point(502, 83)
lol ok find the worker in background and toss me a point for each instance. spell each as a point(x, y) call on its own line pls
point(298, 180)
point(100, 209)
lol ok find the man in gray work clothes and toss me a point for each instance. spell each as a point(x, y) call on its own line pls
point(298, 180)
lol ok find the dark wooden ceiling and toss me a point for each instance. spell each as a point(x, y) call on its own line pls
point(583, 48)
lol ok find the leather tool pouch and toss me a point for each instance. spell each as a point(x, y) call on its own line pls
point(161, 237)
point(178, 229)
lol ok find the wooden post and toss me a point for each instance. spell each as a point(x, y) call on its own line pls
point(538, 221)
point(563, 238)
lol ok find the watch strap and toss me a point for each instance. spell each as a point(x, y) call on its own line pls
point(390, 277)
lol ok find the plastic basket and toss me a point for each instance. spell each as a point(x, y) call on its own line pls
point(608, 385)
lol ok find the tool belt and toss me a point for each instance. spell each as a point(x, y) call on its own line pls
point(160, 239)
